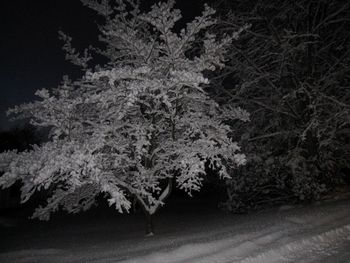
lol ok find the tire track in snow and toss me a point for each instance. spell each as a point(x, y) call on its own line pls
point(270, 252)
point(234, 251)
point(197, 251)
point(315, 246)
point(282, 242)
point(319, 225)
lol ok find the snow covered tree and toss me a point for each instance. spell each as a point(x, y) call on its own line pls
point(290, 69)
point(135, 126)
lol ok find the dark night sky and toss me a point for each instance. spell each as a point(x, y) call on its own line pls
point(30, 51)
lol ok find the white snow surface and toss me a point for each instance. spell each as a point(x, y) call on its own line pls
point(317, 233)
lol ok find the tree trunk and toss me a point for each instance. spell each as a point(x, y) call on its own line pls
point(149, 225)
point(149, 211)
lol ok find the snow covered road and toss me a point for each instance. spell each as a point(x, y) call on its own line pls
point(299, 236)
point(311, 234)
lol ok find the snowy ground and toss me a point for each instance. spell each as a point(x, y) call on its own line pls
point(318, 233)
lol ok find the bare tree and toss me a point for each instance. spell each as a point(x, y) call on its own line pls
point(290, 68)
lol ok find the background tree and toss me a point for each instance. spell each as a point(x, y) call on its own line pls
point(20, 137)
point(136, 125)
point(290, 69)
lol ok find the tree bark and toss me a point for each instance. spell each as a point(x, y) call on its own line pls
point(149, 224)
point(150, 211)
